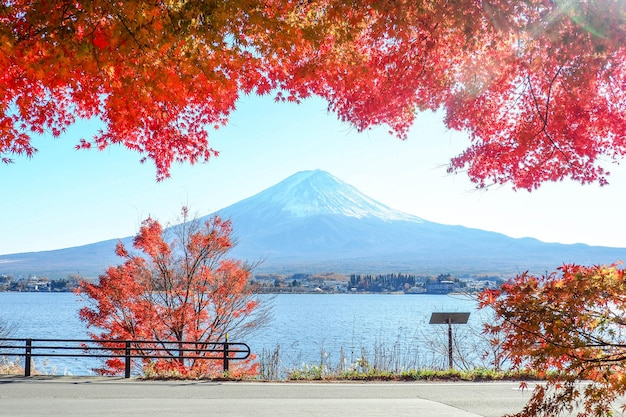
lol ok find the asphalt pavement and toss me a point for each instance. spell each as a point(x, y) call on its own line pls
point(100, 396)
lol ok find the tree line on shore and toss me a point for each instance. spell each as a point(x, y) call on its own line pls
point(292, 283)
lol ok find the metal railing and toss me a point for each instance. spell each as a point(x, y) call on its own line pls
point(127, 349)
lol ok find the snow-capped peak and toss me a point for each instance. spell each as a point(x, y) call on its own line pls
point(309, 193)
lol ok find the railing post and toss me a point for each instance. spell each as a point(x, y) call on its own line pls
point(127, 360)
point(226, 354)
point(28, 357)
point(450, 362)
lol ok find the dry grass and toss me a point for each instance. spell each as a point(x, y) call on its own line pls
point(11, 367)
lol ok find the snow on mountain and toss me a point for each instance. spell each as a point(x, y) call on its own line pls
point(317, 192)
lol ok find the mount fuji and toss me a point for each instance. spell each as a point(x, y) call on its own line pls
point(313, 222)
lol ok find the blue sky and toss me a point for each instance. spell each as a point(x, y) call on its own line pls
point(63, 198)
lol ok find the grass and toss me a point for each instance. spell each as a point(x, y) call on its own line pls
point(397, 362)
point(10, 367)
point(321, 373)
point(314, 373)
point(16, 367)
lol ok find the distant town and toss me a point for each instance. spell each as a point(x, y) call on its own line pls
point(34, 283)
point(303, 283)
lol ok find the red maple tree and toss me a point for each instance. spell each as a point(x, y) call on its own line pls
point(568, 327)
point(181, 290)
point(538, 85)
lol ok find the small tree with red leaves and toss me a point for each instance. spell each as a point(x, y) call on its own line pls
point(182, 292)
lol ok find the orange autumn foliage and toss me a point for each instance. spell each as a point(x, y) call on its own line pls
point(538, 85)
point(570, 328)
point(181, 289)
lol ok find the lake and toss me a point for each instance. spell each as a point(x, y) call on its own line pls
point(308, 329)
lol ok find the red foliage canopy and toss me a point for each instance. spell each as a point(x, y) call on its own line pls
point(537, 84)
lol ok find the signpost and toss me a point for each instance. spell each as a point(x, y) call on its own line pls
point(449, 319)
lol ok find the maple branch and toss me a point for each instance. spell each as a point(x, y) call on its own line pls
point(130, 32)
point(543, 115)
point(590, 341)
point(66, 15)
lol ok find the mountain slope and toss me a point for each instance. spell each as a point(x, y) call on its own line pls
point(313, 222)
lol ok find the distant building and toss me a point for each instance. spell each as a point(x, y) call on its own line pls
point(481, 285)
point(38, 284)
point(415, 290)
point(439, 287)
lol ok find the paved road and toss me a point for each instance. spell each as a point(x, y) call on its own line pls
point(88, 396)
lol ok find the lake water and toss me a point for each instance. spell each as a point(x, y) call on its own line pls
point(328, 329)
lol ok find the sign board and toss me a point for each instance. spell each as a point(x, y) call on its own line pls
point(449, 318)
